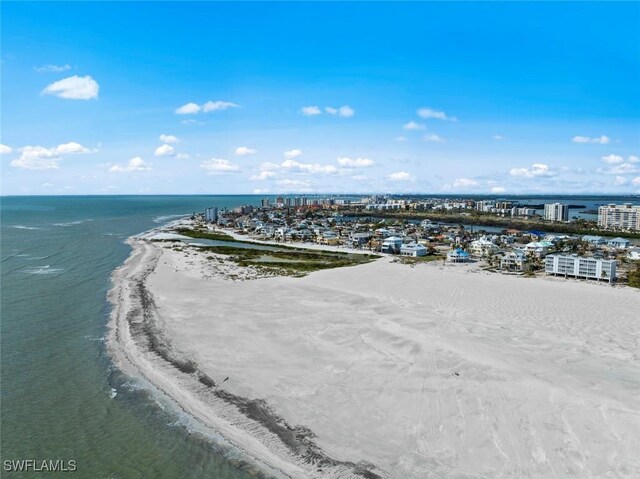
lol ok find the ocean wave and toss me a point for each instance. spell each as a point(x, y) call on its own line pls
point(164, 218)
point(72, 223)
point(93, 338)
point(25, 227)
point(43, 270)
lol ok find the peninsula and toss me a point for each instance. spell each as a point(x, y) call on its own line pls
point(377, 369)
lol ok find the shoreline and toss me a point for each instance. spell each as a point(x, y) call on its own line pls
point(139, 347)
point(147, 312)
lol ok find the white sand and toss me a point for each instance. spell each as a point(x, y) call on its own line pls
point(428, 371)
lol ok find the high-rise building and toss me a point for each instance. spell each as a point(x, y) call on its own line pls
point(265, 202)
point(556, 212)
point(622, 217)
point(211, 214)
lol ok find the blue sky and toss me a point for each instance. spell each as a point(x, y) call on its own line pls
point(205, 97)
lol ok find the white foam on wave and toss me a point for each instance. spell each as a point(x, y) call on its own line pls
point(72, 223)
point(164, 218)
point(25, 227)
point(46, 270)
point(93, 338)
point(113, 393)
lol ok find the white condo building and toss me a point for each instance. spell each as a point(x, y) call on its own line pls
point(580, 267)
point(623, 217)
point(556, 212)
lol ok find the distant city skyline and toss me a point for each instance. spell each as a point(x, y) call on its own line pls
point(300, 98)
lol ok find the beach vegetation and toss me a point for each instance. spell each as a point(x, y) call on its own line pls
point(292, 262)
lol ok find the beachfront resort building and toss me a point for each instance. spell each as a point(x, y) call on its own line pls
point(619, 217)
point(556, 212)
point(580, 267)
point(413, 249)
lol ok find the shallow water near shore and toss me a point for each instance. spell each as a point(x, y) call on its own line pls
point(61, 396)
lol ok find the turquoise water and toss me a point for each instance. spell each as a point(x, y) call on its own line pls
point(56, 391)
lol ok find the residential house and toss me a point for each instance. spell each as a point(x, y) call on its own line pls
point(515, 260)
point(391, 244)
point(483, 247)
point(618, 243)
point(458, 255)
point(413, 249)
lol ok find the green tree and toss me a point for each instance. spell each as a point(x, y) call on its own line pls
point(633, 278)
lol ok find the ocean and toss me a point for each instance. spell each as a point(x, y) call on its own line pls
point(62, 399)
point(61, 396)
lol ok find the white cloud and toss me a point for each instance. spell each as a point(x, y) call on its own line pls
point(498, 190)
point(344, 111)
point(192, 108)
point(36, 158)
point(412, 125)
point(537, 170)
point(182, 156)
point(612, 159)
point(134, 164)
point(619, 181)
point(311, 168)
point(602, 140)
point(464, 183)
point(354, 162)
point(401, 138)
point(400, 176)
point(53, 68)
point(216, 166)
point(243, 151)
point(439, 115)
point(259, 191)
point(620, 169)
point(74, 88)
point(4, 149)
point(165, 150)
point(71, 147)
point(188, 109)
point(218, 105)
point(359, 177)
point(636, 181)
point(168, 139)
point(41, 158)
point(633, 159)
point(263, 175)
point(434, 138)
point(310, 110)
point(498, 137)
point(290, 154)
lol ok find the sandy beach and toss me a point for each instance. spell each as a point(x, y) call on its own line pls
point(386, 370)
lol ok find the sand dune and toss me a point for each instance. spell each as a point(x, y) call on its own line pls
point(402, 372)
